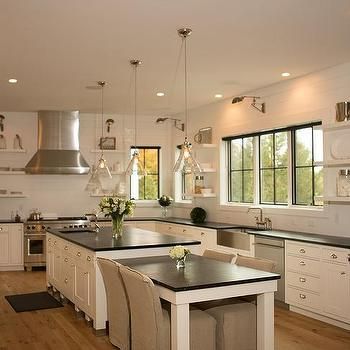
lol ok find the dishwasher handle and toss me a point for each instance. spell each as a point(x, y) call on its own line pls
point(279, 243)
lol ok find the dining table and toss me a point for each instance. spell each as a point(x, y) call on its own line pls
point(204, 279)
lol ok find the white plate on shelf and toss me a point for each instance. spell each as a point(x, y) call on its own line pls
point(340, 148)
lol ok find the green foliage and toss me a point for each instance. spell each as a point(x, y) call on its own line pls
point(198, 215)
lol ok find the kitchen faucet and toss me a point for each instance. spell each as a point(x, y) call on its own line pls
point(92, 217)
point(265, 223)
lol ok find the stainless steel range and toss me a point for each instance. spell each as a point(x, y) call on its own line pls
point(35, 237)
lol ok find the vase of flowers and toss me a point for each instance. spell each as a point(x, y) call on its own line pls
point(116, 208)
point(179, 254)
point(164, 202)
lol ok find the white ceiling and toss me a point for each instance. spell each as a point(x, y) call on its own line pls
point(56, 48)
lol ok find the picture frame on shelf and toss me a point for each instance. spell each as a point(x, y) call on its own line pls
point(107, 143)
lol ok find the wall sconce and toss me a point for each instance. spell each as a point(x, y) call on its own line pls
point(177, 122)
point(261, 107)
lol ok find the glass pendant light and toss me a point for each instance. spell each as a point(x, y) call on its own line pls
point(94, 184)
point(102, 168)
point(135, 166)
point(186, 161)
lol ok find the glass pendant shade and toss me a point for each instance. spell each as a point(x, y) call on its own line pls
point(186, 162)
point(94, 183)
point(135, 166)
point(102, 168)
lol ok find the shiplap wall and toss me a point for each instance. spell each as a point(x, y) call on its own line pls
point(64, 194)
point(294, 101)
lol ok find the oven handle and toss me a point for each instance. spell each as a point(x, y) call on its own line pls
point(34, 234)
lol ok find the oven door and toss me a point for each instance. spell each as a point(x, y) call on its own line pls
point(35, 249)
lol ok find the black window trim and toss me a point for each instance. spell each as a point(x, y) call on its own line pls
point(132, 147)
point(291, 129)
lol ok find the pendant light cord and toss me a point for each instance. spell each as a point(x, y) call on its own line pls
point(102, 100)
point(135, 108)
point(186, 119)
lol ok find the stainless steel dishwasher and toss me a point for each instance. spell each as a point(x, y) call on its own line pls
point(272, 249)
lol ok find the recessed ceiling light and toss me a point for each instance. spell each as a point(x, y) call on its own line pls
point(285, 74)
point(218, 95)
point(160, 94)
point(12, 81)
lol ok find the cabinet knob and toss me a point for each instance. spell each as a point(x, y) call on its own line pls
point(85, 273)
point(88, 258)
point(0, 228)
point(302, 279)
point(66, 280)
point(184, 230)
point(49, 239)
point(302, 296)
point(302, 251)
point(334, 256)
point(66, 259)
point(65, 248)
point(79, 254)
point(343, 273)
point(302, 263)
point(202, 233)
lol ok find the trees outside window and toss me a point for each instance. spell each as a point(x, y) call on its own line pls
point(146, 187)
point(241, 176)
point(285, 168)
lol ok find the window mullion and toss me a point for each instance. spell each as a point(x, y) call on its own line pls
point(290, 168)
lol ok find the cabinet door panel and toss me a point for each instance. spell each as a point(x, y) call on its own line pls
point(336, 290)
point(16, 245)
point(4, 248)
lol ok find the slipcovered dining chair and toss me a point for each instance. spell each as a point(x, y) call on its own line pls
point(150, 323)
point(117, 304)
point(235, 317)
point(217, 255)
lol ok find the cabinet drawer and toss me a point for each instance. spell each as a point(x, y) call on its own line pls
point(303, 249)
point(303, 265)
point(302, 281)
point(336, 255)
point(4, 228)
point(304, 298)
point(82, 256)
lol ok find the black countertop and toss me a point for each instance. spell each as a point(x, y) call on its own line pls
point(181, 221)
point(132, 238)
point(199, 272)
point(335, 241)
point(9, 221)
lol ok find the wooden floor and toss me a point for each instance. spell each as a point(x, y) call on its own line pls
point(61, 328)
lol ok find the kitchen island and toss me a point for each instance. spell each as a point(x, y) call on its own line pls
point(73, 272)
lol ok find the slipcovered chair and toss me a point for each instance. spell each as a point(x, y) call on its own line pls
point(117, 304)
point(150, 323)
point(235, 317)
point(220, 256)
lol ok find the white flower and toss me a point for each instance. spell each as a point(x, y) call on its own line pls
point(178, 252)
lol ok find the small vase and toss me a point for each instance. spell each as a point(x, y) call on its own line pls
point(164, 211)
point(180, 263)
point(117, 226)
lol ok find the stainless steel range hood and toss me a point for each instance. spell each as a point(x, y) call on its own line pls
point(58, 145)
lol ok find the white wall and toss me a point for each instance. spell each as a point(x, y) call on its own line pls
point(290, 102)
point(64, 194)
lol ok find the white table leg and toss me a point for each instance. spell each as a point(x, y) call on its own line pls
point(180, 327)
point(265, 321)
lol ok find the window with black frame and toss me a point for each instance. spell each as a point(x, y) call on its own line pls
point(146, 187)
point(307, 177)
point(273, 169)
point(288, 166)
point(241, 176)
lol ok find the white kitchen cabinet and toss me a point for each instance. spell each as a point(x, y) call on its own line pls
point(11, 247)
point(206, 236)
point(71, 270)
point(318, 280)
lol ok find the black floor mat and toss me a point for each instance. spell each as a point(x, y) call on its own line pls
point(32, 301)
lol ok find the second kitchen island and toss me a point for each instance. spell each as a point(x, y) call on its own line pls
point(73, 272)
